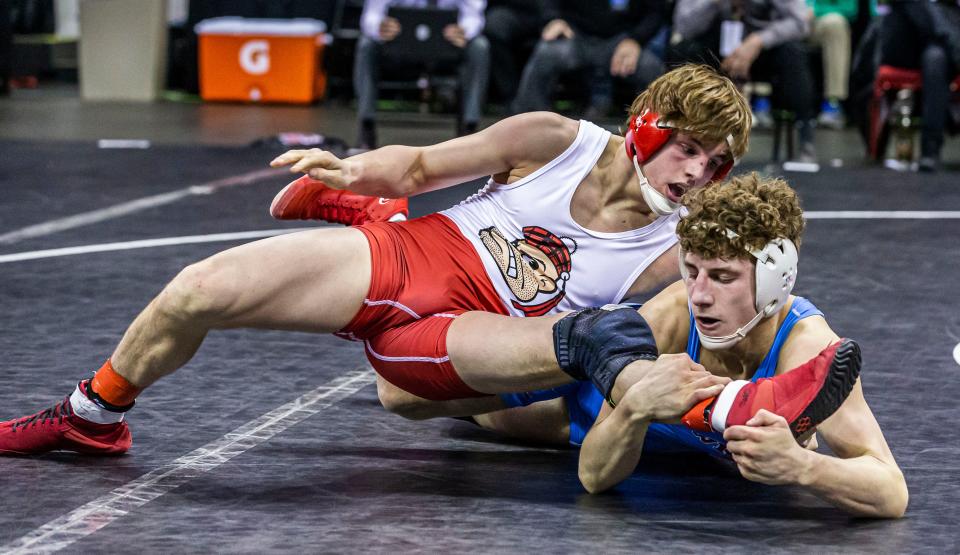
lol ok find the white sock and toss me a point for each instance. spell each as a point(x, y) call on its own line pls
point(88, 410)
point(718, 418)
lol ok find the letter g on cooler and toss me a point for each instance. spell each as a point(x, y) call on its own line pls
point(255, 57)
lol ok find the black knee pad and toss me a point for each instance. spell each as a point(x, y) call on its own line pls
point(596, 344)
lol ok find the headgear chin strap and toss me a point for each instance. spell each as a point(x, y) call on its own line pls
point(660, 204)
point(719, 343)
point(776, 275)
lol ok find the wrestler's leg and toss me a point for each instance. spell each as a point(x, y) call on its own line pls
point(410, 406)
point(309, 281)
point(544, 421)
point(502, 354)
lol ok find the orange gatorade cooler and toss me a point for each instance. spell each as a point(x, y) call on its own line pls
point(261, 60)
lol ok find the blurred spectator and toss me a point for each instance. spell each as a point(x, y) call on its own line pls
point(831, 31)
point(917, 34)
point(762, 40)
point(610, 39)
point(513, 27)
point(378, 28)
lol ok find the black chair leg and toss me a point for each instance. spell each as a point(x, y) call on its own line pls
point(783, 132)
point(777, 125)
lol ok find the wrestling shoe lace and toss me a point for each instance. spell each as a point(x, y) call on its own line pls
point(58, 411)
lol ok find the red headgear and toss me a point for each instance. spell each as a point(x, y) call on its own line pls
point(646, 135)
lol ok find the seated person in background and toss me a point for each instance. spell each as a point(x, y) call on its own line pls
point(512, 28)
point(608, 39)
point(771, 49)
point(831, 31)
point(925, 36)
point(378, 28)
point(733, 314)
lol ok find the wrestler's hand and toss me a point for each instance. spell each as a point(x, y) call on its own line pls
point(669, 387)
point(766, 452)
point(320, 165)
point(556, 29)
point(455, 35)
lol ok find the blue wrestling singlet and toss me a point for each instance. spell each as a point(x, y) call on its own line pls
point(585, 401)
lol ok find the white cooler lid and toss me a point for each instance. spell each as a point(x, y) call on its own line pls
point(298, 27)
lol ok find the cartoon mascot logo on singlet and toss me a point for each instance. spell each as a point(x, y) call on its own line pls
point(537, 264)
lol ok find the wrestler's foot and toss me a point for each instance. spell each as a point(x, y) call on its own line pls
point(804, 396)
point(58, 428)
point(309, 199)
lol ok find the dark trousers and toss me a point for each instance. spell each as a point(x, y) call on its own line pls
point(474, 72)
point(512, 34)
point(582, 52)
point(924, 36)
point(784, 66)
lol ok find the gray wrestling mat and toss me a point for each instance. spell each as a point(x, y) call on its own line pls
point(275, 442)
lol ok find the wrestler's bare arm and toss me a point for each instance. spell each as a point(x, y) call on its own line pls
point(669, 387)
point(658, 274)
point(863, 478)
point(662, 390)
point(668, 318)
point(520, 143)
point(612, 448)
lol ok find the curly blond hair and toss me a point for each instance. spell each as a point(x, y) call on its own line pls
point(758, 209)
point(699, 100)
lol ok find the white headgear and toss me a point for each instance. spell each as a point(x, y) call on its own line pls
point(776, 275)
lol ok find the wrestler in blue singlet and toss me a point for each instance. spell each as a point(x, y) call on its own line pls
point(584, 401)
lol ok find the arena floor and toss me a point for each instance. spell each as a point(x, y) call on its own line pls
point(275, 442)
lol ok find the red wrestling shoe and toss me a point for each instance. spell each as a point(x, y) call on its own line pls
point(805, 396)
point(309, 199)
point(59, 429)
